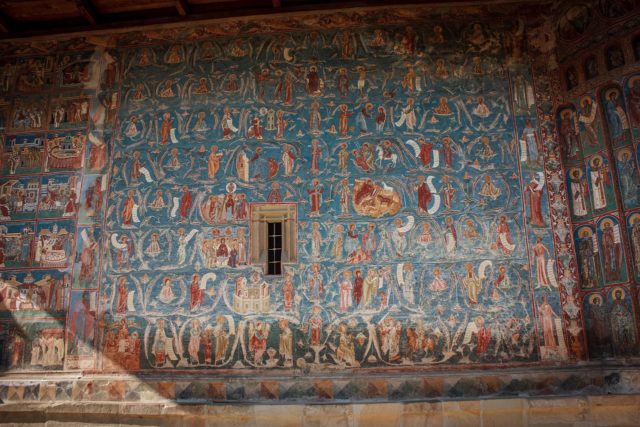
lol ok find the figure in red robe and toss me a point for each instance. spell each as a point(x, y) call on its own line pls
point(534, 190)
point(258, 343)
point(255, 131)
point(288, 89)
point(136, 165)
point(367, 189)
point(206, 344)
point(165, 129)
point(272, 167)
point(97, 156)
point(70, 207)
point(424, 194)
point(344, 121)
point(484, 338)
point(98, 195)
point(197, 294)
point(123, 294)
point(223, 250)
point(127, 210)
point(315, 156)
point(447, 152)
point(88, 259)
point(185, 203)
point(315, 323)
point(426, 152)
point(315, 197)
point(274, 195)
point(313, 81)
point(357, 287)
point(288, 293)
point(503, 241)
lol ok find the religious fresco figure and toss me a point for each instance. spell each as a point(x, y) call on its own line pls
point(610, 242)
point(600, 182)
point(634, 222)
point(408, 185)
point(590, 272)
point(633, 87)
point(569, 136)
point(623, 334)
point(597, 320)
point(579, 192)
point(629, 178)
point(617, 120)
point(548, 319)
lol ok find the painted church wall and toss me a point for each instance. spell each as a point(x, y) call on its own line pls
point(434, 187)
point(599, 130)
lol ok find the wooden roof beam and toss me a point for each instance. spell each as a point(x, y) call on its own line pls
point(182, 6)
point(88, 11)
point(5, 28)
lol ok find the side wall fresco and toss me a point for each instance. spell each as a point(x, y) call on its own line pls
point(429, 163)
point(599, 129)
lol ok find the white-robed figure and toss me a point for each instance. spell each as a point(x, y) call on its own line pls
point(407, 116)
point(162, 347)
point(242, 166)
point(182, 244)
point(285, 347)
point(599, 178)
point(399, 235)
point(35, 352)
point(390, 332)
point(166, 292)
point(288, 160)
point(346, 291)
point(407, 280)
point(450, 237)
point(578, 193)
point(228, 129)
point(194, 341)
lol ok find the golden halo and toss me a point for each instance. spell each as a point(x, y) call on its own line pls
point(571, 171)
point(594, 296)
point(634, 217)
point(586, 97)
point(624, 150)
point(566, 110)
point(608, 93)
point(632, 81)
point(597, 156)
point(606, 221)
point(585, 231)
point(618, 288)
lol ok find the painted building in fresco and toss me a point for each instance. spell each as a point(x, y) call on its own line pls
point(450, 210)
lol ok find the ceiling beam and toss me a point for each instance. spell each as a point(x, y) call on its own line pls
point(88, 11)
point(5, 27)
point(202, 11)
point(182, 6)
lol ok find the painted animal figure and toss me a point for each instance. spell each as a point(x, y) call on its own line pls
point(383, 157)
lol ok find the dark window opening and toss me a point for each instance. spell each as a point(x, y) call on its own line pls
point(274, 250)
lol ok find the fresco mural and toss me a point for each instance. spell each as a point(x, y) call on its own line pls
point(435, 193)
point(397, 164)
point(600, 153)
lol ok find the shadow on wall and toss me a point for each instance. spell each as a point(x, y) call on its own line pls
point(52, 198)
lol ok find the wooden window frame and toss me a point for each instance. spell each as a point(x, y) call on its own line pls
point(260, 214)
